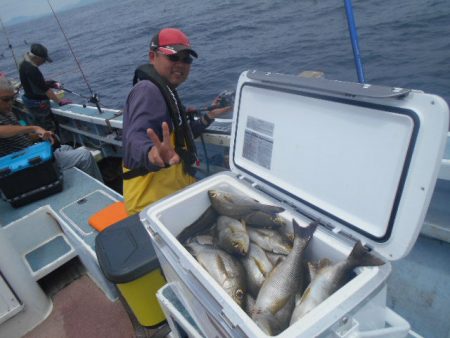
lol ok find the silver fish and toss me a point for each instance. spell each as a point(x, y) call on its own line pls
point(257, 266)
point(261, 219)
point(238, 205)
point(224, 268)
point(270, 240)
point(203, 240)
point(327, 278)
point(232, 236)
point(249, 304)
point(266, 321)
point(274, 324)
point(286, 279)
point(283, 316)
point(287, 231)
point(275, 258)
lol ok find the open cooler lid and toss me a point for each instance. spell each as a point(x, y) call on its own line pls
point(364, 159)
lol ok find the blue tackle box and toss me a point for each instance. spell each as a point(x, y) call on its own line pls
point(29, 174)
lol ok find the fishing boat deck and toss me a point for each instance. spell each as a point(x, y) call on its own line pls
point(418, 287)
point(80, 309)
point(69, 210)
point(85, 303)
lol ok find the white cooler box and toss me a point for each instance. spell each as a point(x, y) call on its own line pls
point(362, 159)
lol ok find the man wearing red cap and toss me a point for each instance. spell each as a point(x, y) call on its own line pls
point(158, 139)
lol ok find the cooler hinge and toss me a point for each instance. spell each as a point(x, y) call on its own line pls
point(323, 222)
point(287, 204)
point(341, 88)
point(244, 178)
point(257, 186)
point(342, 233)
point(248, 182)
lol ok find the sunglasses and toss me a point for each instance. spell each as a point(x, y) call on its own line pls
point(7, 99)
point(177, 58)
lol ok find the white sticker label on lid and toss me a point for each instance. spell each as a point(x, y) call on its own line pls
point(258, 141)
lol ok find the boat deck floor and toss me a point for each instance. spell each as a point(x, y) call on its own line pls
point(81, 309)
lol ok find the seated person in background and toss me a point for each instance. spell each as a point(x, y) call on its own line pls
point(38, 92)
point(14, 137)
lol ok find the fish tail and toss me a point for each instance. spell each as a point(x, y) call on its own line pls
point(305, 232)
point(205, 220)
point(360, 256)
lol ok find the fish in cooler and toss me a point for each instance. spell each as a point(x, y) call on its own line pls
point(240, 206)
point(261, 267)
point(257, 266)
point(261, 219)
point(270, 240)
point(232, 235)
point(326, 278)
point(275, 258)
point(249, 304)
point(283, 283)
point(223, 267)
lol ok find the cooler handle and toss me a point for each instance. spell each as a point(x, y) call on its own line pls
point(397, 327)
point(35, 160)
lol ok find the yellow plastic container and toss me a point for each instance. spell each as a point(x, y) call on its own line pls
point(126, 256)
point(140, 296)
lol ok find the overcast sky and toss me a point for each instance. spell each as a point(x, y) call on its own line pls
point(10, 9)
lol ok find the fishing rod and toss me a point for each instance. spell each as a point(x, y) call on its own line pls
point(89, 99)
point(94, 97)
point(75, 93)
point(9, 44)
point(354, 40)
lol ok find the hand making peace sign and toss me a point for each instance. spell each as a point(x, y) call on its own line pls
point(162, 153)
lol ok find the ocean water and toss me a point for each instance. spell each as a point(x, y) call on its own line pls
point(403, 43)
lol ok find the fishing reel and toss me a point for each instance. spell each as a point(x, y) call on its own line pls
point(94, 99)
point(226, 98)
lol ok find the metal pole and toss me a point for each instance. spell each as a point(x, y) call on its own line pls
point(94, 98)
point(354, 40)
point(9, 44)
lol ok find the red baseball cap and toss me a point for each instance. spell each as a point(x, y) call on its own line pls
point(171, 41)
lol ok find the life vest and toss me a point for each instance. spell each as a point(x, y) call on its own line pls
point(184, 139)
